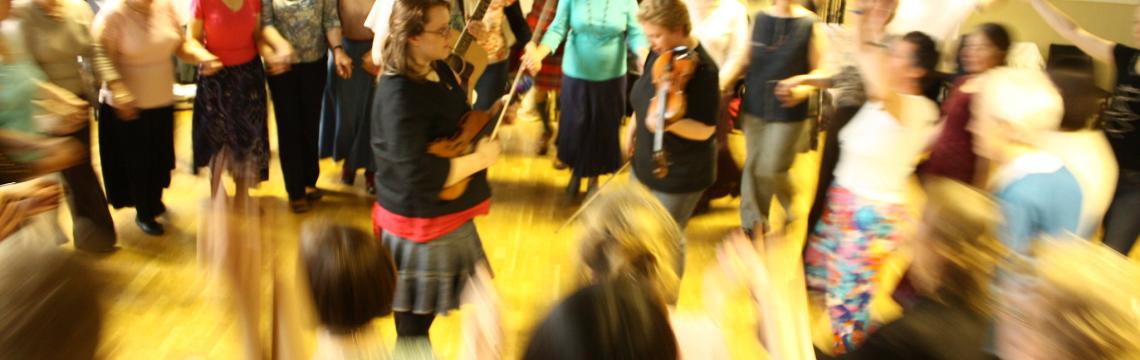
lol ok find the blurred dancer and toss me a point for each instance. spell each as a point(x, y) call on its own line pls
point(351, 279)
point(1013, 110)
point(434, 242)
point(52, 303)
point(548, 81)
point(1120, 120)
point(344, 120)
point(593, 95)
point(312, 29)
point(952, 154)
point(57, 33)
point(722, 28)
point(136, 128)
point(1061, 308)
point(688, 143)
point(866, 205)
point(785, 42)
point(230, 106)
point(1084, 147)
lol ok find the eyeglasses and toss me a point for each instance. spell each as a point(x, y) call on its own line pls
point(446, 30)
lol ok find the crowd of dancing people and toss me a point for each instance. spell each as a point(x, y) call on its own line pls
point(1012, 188)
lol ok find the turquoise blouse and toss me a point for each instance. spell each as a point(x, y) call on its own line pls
point(19, 81)
point(598, 31)
point(17, 89)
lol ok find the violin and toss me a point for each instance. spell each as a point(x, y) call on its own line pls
point(474, 123)
point(671, 73)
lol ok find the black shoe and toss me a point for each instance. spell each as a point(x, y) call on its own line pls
point(314, 194)
point(150, 226)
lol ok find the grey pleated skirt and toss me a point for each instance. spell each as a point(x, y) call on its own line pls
point(432, 275)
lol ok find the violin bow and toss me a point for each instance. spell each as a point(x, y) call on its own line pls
point(592, 197)
point(543, 19)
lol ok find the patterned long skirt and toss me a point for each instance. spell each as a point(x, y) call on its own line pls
point(230, 112)
point(845, 253)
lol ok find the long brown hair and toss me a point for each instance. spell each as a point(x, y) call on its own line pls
point(409, 19)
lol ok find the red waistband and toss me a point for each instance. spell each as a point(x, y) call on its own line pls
point(422, 230)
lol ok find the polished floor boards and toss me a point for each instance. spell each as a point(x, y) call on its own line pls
point(160, 306)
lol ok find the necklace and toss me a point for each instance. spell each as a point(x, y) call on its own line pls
point(590, 15)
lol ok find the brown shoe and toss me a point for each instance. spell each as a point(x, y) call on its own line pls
point(544, 143)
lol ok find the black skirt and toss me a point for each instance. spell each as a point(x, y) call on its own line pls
point(138, 151)
point(592, 111)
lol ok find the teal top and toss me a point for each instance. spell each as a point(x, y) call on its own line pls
point(17, 88)
point(595, 48)
point(19, 81)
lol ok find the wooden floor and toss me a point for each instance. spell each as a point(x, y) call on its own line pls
point(161, 307)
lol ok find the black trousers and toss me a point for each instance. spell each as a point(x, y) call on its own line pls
point(137, 157)
point(92, 226)
point(412, 325)
point(297, 96)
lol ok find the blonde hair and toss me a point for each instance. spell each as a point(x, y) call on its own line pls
point(409, 19)
point(627, 233)
point(1024, 100)
point(669, 14)
point(963, 237)
point(1090, 297)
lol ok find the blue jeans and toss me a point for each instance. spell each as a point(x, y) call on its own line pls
point(491, 85)
point(1122, 221)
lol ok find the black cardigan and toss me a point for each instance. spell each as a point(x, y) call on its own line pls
point(407, 115)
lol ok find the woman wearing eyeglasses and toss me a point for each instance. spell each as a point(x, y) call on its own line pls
point(433, 241)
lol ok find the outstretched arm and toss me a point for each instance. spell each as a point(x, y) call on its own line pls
point(1095, 46)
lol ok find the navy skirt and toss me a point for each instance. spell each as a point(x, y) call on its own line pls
point(345, 119)
point(592, 111)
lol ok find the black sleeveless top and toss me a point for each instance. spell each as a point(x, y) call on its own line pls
point(779, 51)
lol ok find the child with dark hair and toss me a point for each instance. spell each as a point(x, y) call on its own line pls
point(614, 319)
point(351, 278)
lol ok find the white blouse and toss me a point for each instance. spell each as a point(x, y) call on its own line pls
point(879, 153)
point(721, 26)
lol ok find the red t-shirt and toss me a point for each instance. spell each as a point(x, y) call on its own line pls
point(228, 34)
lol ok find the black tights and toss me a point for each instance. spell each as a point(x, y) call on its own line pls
point(409, 324)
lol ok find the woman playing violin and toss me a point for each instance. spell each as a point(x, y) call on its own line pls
point(689, 146)
point(419, 100)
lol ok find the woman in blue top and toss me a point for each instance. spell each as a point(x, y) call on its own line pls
point(593, 84)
